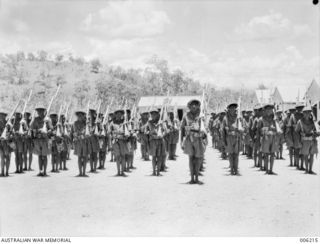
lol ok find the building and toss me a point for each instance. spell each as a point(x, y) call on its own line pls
point(179, 102)
point(288, 96)
point(263, 96)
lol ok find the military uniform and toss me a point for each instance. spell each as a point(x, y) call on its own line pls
point(308, 134)
point(93, 142)
point(247, 140)
point(5, 150)
point(295, 138)
point(288, 135)
point(29, 144)
point(257, 154)
point(157, 143)
point(19, 141)
point(232, 139)
point(193, 140)
point(267, 132)
point(81, 142)
point(42, 144)
point(103, 144)
point(173, 136)
point(120, 144)
point(143, 137)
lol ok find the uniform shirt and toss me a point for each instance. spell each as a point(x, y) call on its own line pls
point(306, 128)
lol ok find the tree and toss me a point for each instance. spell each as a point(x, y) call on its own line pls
point(58, 58)
point(95, 65)
point(42, 55)
point(31, 57)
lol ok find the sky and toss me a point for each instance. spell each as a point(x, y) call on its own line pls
point(227, 43)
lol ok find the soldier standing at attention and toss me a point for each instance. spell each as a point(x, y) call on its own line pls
point(221, 146)
point(192, 139)
point(19, 141)
point(4, 145)
point(143, 136)
point(27, 157)
point(55, 139)
point(132, 141)
point(231, 137)
point(292, 125)
point(111, 118)
point(280, 135)
point(308, 132)
point(257, 155)
point(94, 141)
point(267, 131)
point(173, 136)
point(79, 136)
point(65, 137)
point(103, 142)
point(41, 126)
point(288, 135)
point(156, 132)
point(120, 146)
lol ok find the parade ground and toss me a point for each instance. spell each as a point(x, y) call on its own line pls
point(253, 204)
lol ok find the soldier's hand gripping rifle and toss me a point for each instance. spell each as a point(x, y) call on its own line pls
point(8, 123)
point(46, 119)
point(125, 124)
point(23, 121)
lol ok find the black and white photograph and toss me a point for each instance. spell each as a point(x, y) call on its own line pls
point(159, 118)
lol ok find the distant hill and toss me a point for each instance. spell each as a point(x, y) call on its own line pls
point(83, 80)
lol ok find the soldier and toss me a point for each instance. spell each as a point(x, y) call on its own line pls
point(247, 140)
point(41, 127)
point(19, 142)
point(111, 118)
point(192, 139)
point(212, 129)
point(5, 150)
point(65, 141)
point(308, 132)
point(268, 131)
point(257, 155)
point(218, 126)
point(280, 136)
point(156, 132)
point(55, 141)
point(94, 141)
point(143, 137)
point(80, 137)
point(288, 134)
point(120, 146)
point(27, 157)
point(295, 137)
point(103, 142)
point(132, 141)
point(173, 136)
point(231, 137)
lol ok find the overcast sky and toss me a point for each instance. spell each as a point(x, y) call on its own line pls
point(227, 43)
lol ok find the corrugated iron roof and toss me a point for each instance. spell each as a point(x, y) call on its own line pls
point(157, 101)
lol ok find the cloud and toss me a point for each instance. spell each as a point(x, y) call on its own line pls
point(126, 19)
point(272, 26)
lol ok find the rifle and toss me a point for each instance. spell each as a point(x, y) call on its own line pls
point(96, 129)
point(125, 128)
point(201, 116)
point(105, 118)
point(23, 120)
point(44, 128)
point(278, 128)
point(59, 133)
point(239, 116)
point(87, 131)
point(5, 131)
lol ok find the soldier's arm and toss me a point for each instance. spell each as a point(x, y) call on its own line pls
point(183, 129)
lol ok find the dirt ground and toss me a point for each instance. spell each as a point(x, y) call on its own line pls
point(253, 204)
